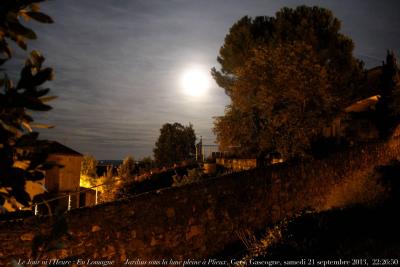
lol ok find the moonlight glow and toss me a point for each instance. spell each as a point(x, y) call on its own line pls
point(195, 82)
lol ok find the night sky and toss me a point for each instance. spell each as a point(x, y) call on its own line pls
point(118, 63)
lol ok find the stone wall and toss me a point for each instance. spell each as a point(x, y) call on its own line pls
point(237, 164)
point(193, 221)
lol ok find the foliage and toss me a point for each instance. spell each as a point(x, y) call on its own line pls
point(314, 34)
point(155, 181)
point(175, 144)
point(280, 101)
point(88, 177)
point(388, 107)
point(11, 28)
point(127, 174)
point(109, 185)
point(88, 166)
point(146, 165)
point(127, 170)
point(313, 26)
point(22, 155)
point(232, 132)
point(193, 175)
point(245, 35)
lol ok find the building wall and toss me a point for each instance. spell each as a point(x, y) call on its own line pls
point(237, 164)
point(52, 181)
point(67, 178)
point(87, 197)
point(64, 180)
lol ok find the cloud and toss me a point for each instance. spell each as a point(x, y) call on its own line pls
point(118, 63)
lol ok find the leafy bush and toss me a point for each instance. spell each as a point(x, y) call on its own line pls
point(88, 166)
point(193, 175)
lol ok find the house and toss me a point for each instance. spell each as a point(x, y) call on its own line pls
point(65, 177)
point(61, 180)
point(356, 121)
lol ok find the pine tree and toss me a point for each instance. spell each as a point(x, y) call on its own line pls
point(313, 27)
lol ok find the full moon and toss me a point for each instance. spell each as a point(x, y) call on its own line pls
point(195, 82)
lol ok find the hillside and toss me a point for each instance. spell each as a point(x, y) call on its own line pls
point(368, 231)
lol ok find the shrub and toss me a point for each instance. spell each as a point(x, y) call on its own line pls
point(193, 175)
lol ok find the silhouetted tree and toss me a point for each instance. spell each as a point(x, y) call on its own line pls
point(127, 169)
point(389, 177)
point(313, 26)
point(11, 28)
point(175, 144)
point(89, 171)
point(109, 185)
point(388, 108)
point(146, 164)
point(310, 30)
point(284, 93)
point(245, 35)
point(22, 155)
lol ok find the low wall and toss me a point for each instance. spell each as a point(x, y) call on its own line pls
point(194, 221)
point(237, 164)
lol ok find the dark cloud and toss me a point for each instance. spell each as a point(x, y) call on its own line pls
point(118, 63)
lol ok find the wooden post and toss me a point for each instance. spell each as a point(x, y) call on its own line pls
point(36, 209)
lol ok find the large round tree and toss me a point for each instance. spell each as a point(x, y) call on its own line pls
point(268, 65)
point(175, 144)
point(313, 26)
point(283, 95)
